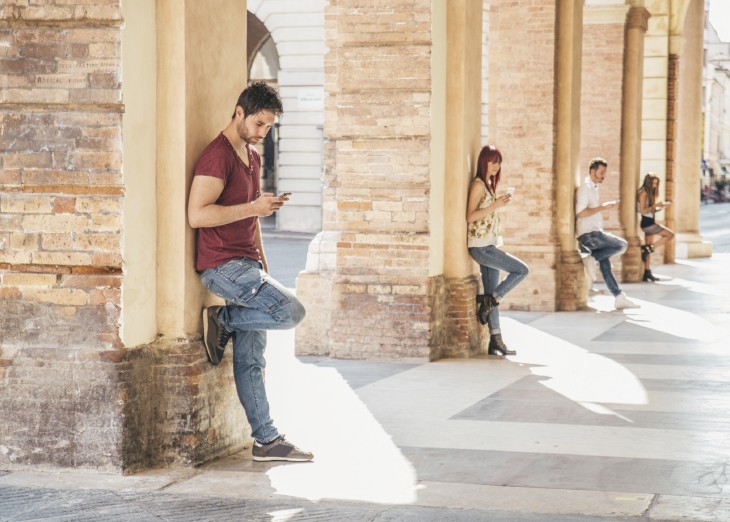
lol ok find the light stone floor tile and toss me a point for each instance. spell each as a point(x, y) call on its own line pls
point(231, 484)
point(151, 480)
point(680, 373)
point(571, 472)
point(657, 348)
point(711, 405)
point(532, 500)
point(696, 509)
point(607, 441)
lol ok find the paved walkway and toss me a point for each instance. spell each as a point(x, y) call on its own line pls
point(602, 415)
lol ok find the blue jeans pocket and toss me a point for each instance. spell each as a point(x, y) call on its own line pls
point(236, 281)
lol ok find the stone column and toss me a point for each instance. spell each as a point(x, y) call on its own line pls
point(570, 295)
point(463, 125)
point(196, 96)
point(636, 26)
point(670, 187)
point(689, 242)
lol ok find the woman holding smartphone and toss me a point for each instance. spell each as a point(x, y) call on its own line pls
point(484, 237)
point(655, 234)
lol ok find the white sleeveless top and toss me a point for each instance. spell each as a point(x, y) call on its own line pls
point(488, 230)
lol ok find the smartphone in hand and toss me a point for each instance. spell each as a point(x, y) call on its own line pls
point(510, 190)
point(284, 195)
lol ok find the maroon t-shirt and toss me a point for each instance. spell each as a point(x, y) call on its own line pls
point(216, 245)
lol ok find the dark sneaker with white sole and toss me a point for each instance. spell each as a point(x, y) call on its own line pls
point(215, 337)
point(279, 449)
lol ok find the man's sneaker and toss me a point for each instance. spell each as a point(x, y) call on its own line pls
point(279, 449)
point(215, 337)
point(624, 302)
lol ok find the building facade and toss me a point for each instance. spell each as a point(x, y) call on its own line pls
point(716, 110)
point(105, 107)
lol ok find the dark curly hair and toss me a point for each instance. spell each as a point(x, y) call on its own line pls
point(597, 162)
point(257, 97)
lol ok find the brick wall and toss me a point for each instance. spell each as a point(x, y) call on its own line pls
point(604, 55)
point(61, 198)
point(601, 112)
point(377, 179)
point(70, 393)
point(522, 84)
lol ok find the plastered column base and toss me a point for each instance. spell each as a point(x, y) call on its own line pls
point(692, 245)
point(314, 290)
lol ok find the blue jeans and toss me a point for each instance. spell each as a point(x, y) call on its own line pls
point(603, 246)
point(255, 303)
point(491, 260)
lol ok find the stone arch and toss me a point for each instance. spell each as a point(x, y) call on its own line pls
point(262, 61)
point(298, 35)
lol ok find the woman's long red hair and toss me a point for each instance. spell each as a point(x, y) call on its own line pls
point(489, 154)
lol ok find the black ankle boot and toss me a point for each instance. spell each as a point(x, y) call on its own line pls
point(486, 304)
point(497, 346)
point(480, 311)
point(648, 276)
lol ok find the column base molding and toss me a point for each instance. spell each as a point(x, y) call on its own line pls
point(692, 245)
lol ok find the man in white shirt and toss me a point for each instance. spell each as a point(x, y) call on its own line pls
point(589, 229)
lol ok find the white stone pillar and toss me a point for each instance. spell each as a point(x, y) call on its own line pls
point(689, 242)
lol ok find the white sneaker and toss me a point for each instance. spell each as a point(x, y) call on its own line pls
point(624, 302)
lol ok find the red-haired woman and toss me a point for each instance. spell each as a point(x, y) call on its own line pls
point(484, 238)
point(655, 234)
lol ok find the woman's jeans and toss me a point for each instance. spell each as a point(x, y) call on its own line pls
point(255, 303)
point(603, 246)
point(491, 260)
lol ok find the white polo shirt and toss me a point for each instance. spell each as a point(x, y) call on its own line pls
point(587, 197)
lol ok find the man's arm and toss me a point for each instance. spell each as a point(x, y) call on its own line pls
point(581, 204)
point(595, 210)
point(204, 213)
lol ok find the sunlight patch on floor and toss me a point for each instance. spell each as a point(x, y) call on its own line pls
point(570, 370)
point(694, 286)
point(672, 321)
point(355, 459)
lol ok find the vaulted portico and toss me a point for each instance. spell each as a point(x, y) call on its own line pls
point(100, 302)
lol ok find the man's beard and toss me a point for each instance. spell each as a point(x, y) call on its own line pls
point(250, 139)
